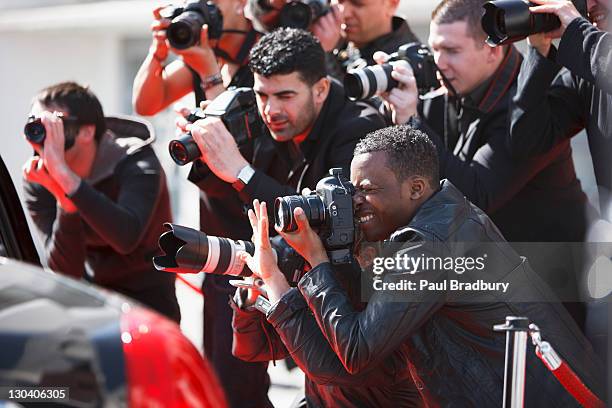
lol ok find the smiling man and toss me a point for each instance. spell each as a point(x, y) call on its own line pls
point(455, 357)
point(312, 127)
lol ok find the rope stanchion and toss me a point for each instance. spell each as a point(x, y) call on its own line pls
point(563, 372)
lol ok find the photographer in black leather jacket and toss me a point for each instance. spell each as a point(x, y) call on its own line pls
point(311, 127)
point(455, 357)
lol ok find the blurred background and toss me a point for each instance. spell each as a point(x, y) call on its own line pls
point(102, 44)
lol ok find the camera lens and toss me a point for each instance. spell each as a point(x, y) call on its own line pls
point(507, 21)
point(295, 15)
point(189, 250)
point(34, 131)
point(184, 31)
point(184, 150)
point(369, 81)
point(284, 206)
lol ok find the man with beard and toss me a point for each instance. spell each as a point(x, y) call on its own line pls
point(455, 357)
point(311, 127)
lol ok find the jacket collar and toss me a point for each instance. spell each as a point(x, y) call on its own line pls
point(124, 136)
point(502, 80)
point(400, 34)
point(444, 208)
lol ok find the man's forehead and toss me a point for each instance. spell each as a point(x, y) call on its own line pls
point(367, 167)
point(448, 35)
point(277, 83)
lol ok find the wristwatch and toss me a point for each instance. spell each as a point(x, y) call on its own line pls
point(244, 176)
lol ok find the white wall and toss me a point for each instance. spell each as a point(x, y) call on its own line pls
point(86, 43)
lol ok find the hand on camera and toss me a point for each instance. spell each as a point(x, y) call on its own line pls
point(218, 148)
point(159, 48)
point(247, 291)
point(564, 10)
point(305, 241)
point(327, 29)
point(403, 99)
point(200, 57)
point(263, 262)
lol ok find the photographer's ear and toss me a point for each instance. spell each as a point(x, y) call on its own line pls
point(416, 187)
point(320, 90)
point(87, 133)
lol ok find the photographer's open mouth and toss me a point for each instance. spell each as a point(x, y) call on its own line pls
point(365, 218)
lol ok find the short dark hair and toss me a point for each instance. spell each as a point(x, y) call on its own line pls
point(410, 152)
point(79, 101)
point(470, 11)
point(288, 50)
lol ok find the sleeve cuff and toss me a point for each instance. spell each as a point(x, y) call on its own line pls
point(571, 44)
point(68, 223)
point(287, 305)
point(315, 280)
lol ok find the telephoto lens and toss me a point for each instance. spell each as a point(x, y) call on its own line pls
point(508, 21)
point(190, 251)
point(312, 205)
point(187, 250)
point(366, 82)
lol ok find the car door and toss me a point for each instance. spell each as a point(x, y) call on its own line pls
point(15, 238)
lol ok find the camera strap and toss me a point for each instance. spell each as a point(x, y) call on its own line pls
point(245, 48)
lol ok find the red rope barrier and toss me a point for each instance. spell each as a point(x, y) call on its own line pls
point(191, 285)
point(570, 381)
point(563, 372)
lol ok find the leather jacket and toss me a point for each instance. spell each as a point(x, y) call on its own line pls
point(454, 356)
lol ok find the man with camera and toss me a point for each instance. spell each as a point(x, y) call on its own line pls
point(562, 91)
point(535, 200)
point(206, 67)
point(98, 196)
point(554, 103)
point(212, 57)
point(357, 29)
point(446, 334)
point(310, 127)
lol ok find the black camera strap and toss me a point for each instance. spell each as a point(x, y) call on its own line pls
point(245, 48)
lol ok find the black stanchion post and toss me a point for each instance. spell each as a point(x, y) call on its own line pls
point(516, 329)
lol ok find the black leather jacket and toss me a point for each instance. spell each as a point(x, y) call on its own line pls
point(455, 357)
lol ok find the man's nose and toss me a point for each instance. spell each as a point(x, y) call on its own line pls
point(271, 108)
point(441, 61)
point(358, 199)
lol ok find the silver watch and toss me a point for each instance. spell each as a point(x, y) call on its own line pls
point(244, 176)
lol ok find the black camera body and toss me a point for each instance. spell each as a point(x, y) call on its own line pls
point(187, 21)
point(35, 131)
point(508, 21)
point(329, 211)
point(237, 108)
point(301, 13)
point(187, 250)
point(366, 82)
